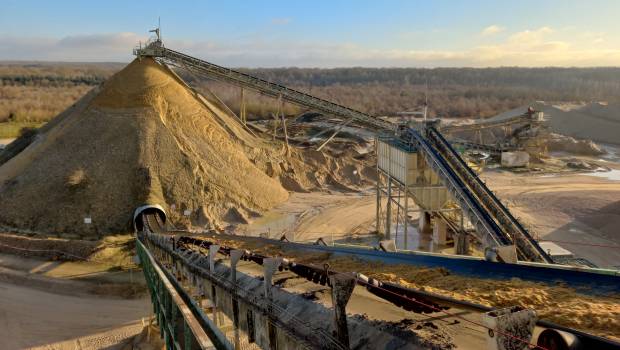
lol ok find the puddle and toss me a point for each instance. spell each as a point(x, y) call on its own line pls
point(613, 152)
point(613, 174)
point(415, 241)
point(272, 224)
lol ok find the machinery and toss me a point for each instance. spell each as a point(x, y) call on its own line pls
point(185, 282)
point(495, 227)
point(525, 132)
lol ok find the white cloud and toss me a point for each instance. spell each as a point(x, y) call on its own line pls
point(535, 47)
point(492, 29)
point(528, 37)
point(90, 47)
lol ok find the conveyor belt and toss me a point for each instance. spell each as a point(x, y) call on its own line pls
point(512, 229)
point(476, 213)
point(416, 300)
point(524, 118)
point(265, 87)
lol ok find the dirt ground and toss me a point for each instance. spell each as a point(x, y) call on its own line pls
point(308, 216)
point(581, 213)
point(56, 305)
point(578, 211)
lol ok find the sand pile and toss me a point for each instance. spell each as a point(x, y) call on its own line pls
point(309, 170)
point(143, 137)
point(562, 143)
point(598, 122)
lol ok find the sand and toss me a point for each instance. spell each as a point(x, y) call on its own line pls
point(561, 304)
point(580, 212)
point(52, 321)
point(567, 144)
point(598, 122)
point(144, 138)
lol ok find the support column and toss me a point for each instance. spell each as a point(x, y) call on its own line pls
point(288, 148)
point(424, 223)
point(461, 243)
point(270, 266)
point(440, 232)
point(275, 117)
point(397, 214)
point(388, 210)
point(342, 288)
point(213, 249)
point(235, 256)
point(406, 213)
point(242, 108)
point(378, 208)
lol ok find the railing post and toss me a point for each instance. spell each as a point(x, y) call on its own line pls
point(213, 249)
point(270, 266)
point(342, 288)
point(235, 256)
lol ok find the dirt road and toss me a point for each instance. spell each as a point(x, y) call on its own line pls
point(37, 310)
point(308, 216)
point(580, 212)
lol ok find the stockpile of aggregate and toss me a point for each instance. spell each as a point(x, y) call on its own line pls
point(143, 137)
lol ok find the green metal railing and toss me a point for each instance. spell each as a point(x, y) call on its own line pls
point(181, 322)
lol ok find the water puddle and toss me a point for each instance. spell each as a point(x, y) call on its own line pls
point(613, 174)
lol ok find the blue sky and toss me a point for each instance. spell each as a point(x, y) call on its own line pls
point(321, 33)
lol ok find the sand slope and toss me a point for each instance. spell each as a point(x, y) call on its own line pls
point(143, 137)
point(594, 121)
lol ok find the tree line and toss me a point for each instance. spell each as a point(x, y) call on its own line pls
point(39, 91)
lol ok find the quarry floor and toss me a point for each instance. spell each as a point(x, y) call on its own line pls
point(44, 305)
point(578, 211)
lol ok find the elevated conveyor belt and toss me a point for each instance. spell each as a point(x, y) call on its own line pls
point(520, 119)
point(472, 208)
point(512, 229)
point(266, 87)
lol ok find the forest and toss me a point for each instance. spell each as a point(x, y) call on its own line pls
point(36, 92)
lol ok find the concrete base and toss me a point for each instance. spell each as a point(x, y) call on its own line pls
point(440, 232)
point(461, 244)
point(507, 254)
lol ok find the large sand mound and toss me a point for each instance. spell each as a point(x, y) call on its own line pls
point(598, 122)
point(144, 137)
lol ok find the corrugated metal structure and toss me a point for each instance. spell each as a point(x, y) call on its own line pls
point(405, 179)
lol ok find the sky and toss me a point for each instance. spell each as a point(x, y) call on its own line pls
point(321, 33)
